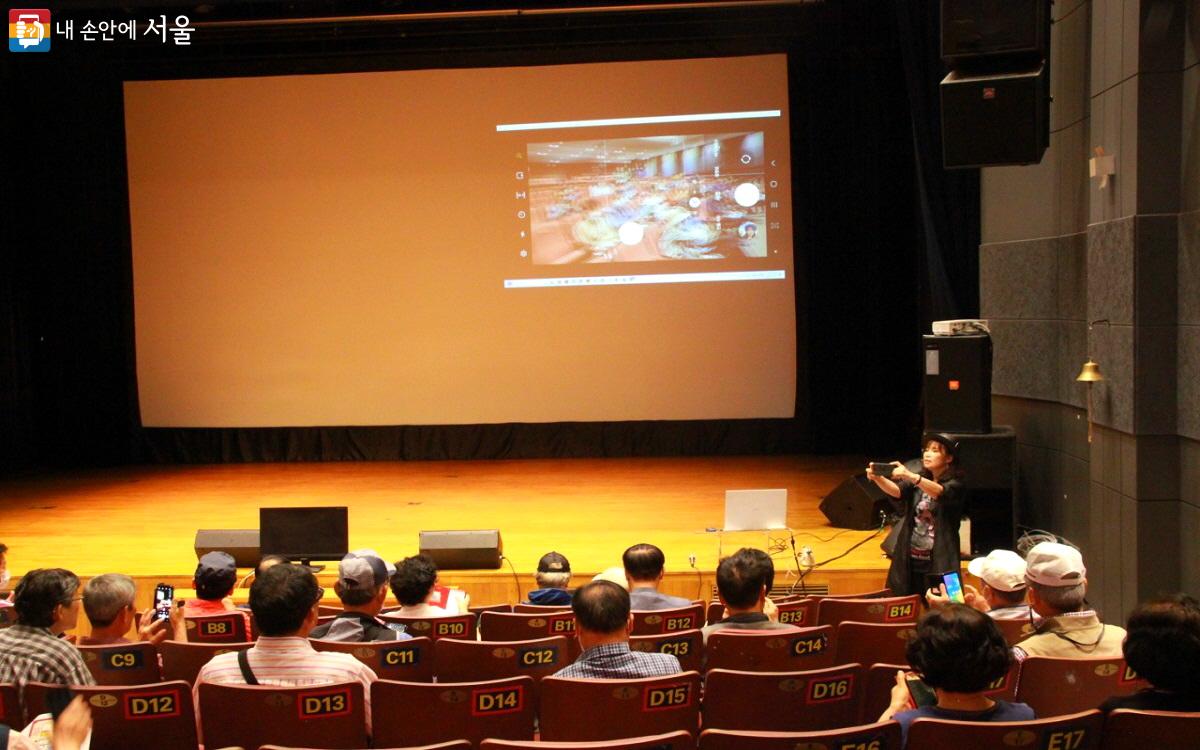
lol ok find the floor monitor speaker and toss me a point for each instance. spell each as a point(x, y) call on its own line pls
point(463, 550)
point(856, 504)
point(241, 543)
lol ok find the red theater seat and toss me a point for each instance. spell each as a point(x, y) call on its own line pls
point(456, 626)
point(329, 716)
point(1150, 730)
point(770, 650)
point(575, 710)
point(411, 713)
point(455, 745)
point(122, 664)
point(533, 609)
point(670, 741)
point(1014, 631)
point(226, 627)
point(1074, 732)
point(881, 678)
point(472, 661)
point(159, 715)
point(410, 660)
point(655, 622)
point(881, 736)
point(1060, 686)
point(479, 610)
point(10, 709)
point(832, 611)
point(500, 626)
point(782, 701)
point(182, 661)
point(687, 646)
point(801, 613)
point(871, 643)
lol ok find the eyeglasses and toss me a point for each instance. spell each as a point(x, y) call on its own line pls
point(320, 595)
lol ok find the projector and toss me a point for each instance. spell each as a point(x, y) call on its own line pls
point(959, 327)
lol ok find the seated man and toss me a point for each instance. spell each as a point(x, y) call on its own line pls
point(603, 622)
point(553, 576)
point(47, 605)
point(743, 581)
point(415, 587)
point(215, 579)
point(284, 600)
point(362, 585)
point(108, 604)
point(644, 571)
point(1003, 597)
point(1163, 647)
point(1057, 585)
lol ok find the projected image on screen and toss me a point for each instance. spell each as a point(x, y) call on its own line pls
point(655, 198)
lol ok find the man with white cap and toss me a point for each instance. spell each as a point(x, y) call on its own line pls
point(1002, 573)
point(1057, 585)
point(362, 585)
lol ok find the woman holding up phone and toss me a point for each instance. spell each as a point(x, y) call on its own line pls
point(932, 503)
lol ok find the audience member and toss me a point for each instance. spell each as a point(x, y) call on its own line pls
point(1003, 597)
point(603, 622)
point(553, 576)
point(957, 652)
point(47, 605)
point(362, 585)
point(615, 574)
point(743, 581)
point(108, 602)
point(1057, 587)
point(415, 586)
point(285, 601)
point(1163, 647)
point(215, 579)
point(644, 571)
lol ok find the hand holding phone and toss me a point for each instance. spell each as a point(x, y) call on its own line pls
point(884, 470)
point(954, 587)
point(922, 694)
point(164, 596)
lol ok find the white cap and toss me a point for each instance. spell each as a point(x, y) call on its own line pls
point(1002, 569)
point(391, 569)
point(1054, 564)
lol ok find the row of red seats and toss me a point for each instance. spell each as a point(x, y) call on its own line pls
point(733, 700)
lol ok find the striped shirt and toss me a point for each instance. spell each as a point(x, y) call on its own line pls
point(288, 662)
point(31, 654)
point(614, 661)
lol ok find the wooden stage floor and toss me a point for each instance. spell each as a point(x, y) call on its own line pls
point(142, 520)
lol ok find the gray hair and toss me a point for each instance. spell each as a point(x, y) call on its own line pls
point(1062, 598)
point(105, 596)
point(549, 580)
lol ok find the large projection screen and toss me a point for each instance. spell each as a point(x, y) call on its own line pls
point(593, 242)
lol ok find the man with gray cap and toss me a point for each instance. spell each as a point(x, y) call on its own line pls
point(216, 575)
point(1003, 596)
point(362, 585)
point(553, 575)
point(1070, 629)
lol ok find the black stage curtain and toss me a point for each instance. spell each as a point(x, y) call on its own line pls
point(68, 381)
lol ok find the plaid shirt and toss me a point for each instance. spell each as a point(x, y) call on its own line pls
point(614, 661)
point(29, 654)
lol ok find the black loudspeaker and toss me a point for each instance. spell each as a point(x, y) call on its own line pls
point(241, 543)
point(463, 550)
point(989, 465)
point(995, 118)
point(856, 504)
point(975, 29)
point(958, 383)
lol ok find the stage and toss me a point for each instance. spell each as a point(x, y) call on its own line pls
point(143, 520)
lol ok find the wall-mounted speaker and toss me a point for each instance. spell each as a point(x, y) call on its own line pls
point(995, 118)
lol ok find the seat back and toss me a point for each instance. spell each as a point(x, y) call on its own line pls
point(225, 627)
point(654, 622)
point(1053, 686)
point(10, 707)
point(479, 610)
point(455, 626)
point(122, 664)
point(783, 701)
point(1125, 729)
point(876, 594)
point(472, 661)
point(33, 698)
point(669, 741)
point(770, 650)
point(1014, 631)
point(412, 713)
point(545, 609)
point(880, 679)
point(687, 646)
point(894, 609)
point(714, 612)
point(883, 735)
point(1079, 731)
point(327, 716)
point(511, 626)
point(410, 660)
point(182, 661)
point(619, 709)
point(801, 613)
point(329, 610)
point(453, 745)
point(159, 715)
point(869, 643)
